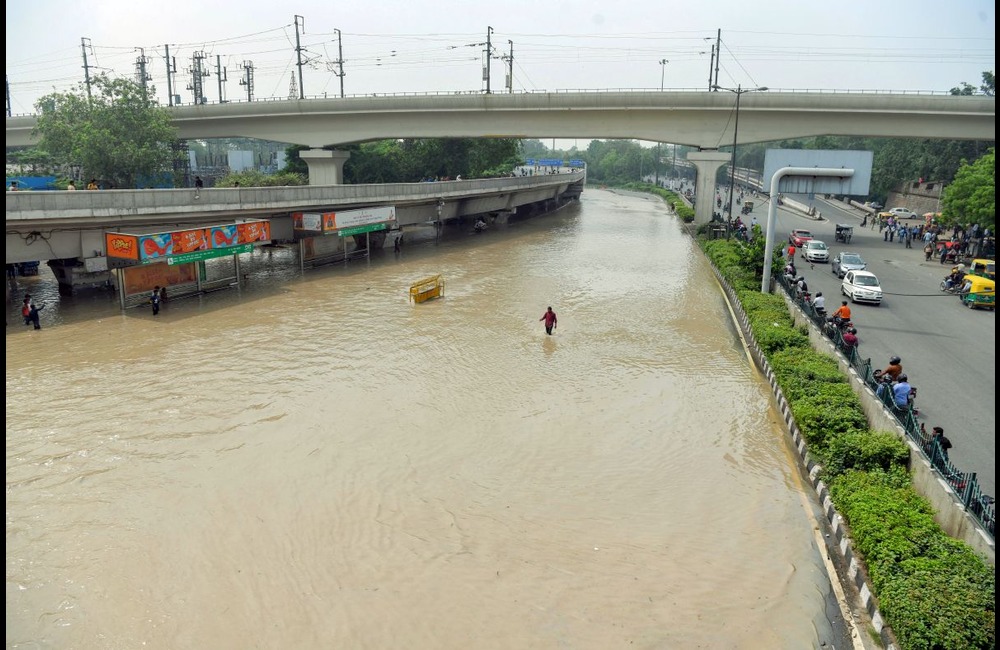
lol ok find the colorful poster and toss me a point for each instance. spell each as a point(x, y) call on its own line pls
point(224, 236)
point(187, 241)
point(142, 279)
point(329, 221)
point(121, 246)
point(254, 231)
point(152, 247)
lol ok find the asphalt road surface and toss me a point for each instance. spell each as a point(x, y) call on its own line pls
point(947, 350)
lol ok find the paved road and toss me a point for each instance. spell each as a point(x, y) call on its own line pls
point(948, 351)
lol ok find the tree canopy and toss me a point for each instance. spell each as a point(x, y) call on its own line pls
point(971, 197)
point(411, 160)
point(117, 135)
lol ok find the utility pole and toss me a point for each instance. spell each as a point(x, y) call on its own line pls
point(340, 61)
point(718, 56)
point(711, 62)
point(656, 166)
point(222, 76)
point(198, 73)
point(298, 53)
point(7, 79)
point(142, 76)
point(84, 44)
point(247, 79)
point(489, 55)
point(171, 71)
point(510, 67)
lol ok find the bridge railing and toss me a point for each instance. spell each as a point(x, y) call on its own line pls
point(103, 203)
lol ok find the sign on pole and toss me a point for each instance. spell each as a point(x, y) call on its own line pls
point(854, 185)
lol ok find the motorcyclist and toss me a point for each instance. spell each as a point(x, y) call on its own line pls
point(901, 391)
point(955, 278)
point(850, 339)
point(802, 287)
point(894, 369)
point(819, 303)
point(842, 315)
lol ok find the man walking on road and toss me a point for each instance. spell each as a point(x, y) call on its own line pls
point(550, 320)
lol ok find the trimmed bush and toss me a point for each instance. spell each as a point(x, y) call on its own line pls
point(865, 451)
point(829, 410)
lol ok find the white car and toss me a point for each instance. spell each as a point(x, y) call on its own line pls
point(903, 213)
point(816, 251)
point(862, 286)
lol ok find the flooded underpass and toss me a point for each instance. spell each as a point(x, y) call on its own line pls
point(314, 462)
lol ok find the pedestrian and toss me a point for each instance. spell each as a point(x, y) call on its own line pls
point(33, 316)
point(198, 183)
point(928, 251)
point(92, 185)
point(864, 221)
point(12, 187)
point(154, 300)
point(943, 443)
point(71, 187)
point(26, 309)
point(163, 294)
point(395, 246)
point(550, 320)
point(791, 251)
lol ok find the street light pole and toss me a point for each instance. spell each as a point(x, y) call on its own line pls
point(736, 129)
point(656, 165)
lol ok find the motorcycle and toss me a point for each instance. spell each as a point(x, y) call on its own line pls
point(837, 324)
point(955, 287)
point(886, 383)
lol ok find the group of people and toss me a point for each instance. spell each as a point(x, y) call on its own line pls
point(29, 310)
point(840, 318)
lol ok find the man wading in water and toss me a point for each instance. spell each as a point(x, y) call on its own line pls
point(550, 321)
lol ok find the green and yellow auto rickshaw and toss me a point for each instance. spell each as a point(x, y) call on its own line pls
point(984, 268)
point(979, 292)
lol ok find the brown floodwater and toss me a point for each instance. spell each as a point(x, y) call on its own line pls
point(314, 462)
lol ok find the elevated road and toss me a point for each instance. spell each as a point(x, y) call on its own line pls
point(49, 225)
point(698, 119)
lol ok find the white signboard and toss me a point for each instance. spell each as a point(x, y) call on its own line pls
point(311, 221)
point(364, 217)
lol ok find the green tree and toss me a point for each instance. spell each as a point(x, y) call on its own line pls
point(971, 197)
point(119, 135)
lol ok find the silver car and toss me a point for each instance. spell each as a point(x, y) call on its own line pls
point(844, 262)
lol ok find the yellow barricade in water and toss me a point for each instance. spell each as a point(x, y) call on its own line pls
point(432, 287)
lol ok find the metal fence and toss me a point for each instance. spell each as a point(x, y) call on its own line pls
point(979, 504)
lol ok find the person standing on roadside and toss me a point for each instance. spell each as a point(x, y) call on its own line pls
point(550, 320)
point(943, 443)
point(154, 300)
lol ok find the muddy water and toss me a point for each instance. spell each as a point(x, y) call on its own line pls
point(317, 463)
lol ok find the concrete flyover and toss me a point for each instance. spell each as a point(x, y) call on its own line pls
point(63, 225)
point(699, 119)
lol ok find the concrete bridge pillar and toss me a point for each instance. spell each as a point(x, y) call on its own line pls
point(706, 163)
point(325, 167)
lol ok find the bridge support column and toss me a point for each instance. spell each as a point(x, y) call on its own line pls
point(325, 167)
point(706, 163)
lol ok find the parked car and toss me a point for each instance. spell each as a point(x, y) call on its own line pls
point(798, 237)
point(862, 286)
point(816, 251)
point(844, 262)
point(902, 213)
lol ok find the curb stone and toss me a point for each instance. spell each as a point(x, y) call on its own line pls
point(855, 570)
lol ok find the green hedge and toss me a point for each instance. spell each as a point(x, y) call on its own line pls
point(681, 208)
point(934, 591)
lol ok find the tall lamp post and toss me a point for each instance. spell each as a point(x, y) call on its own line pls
point(738, 91)
point(656, 166)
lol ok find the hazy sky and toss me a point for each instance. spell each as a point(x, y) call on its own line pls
point(422, 46)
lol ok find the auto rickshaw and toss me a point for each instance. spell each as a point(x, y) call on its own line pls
point(979, 293)
point(843, 232)
point(747, 207)
point(983, 268)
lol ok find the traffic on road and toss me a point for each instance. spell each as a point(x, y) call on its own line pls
point(947, 350)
